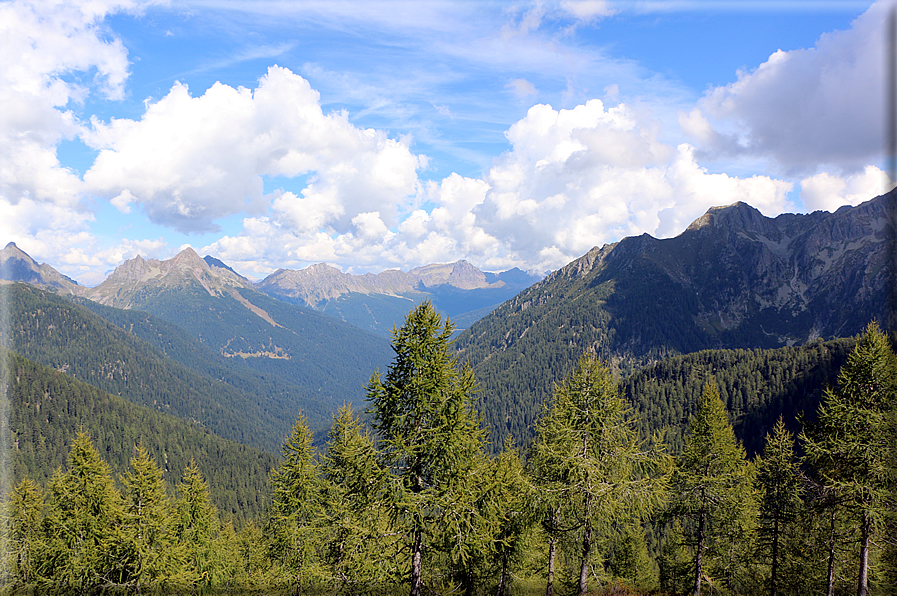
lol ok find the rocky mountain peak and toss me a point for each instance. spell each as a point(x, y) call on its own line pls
point(17, 265)
point(184, 269)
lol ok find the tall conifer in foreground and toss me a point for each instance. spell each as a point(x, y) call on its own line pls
point(149, 524)
point(781, 489)
point(196, 526)
point(711, 488)
point(356, 537)
point(295, 505)
point(589, 449)
point(851, 444)
point(429, 434)
point(84, 518)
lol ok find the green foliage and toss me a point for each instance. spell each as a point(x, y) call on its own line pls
point(47, 408)
point(429, 435)
point(850, 446)
point(357, 542)
point(589, 454)
point(196, 526)
point(149, 524)
point(781, 492)
point(24, 538)
point(295, 504)
point(712, 491)
point(84, 538)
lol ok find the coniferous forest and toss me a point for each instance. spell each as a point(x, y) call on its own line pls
point(675, 481)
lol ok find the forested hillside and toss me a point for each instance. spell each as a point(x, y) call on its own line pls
point(53, 331)
point(48, 408)
point(733, 280)
point(327, 359)
point(422, 507)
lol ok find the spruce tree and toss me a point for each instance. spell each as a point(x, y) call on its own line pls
point(850, 445)
point(429, 435)
point(590, 451)
point(711, 487)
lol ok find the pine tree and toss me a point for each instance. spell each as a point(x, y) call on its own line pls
point(851, 443)
point(712, 487)
point(296, 503)
point(430, 436)
point(590, 451)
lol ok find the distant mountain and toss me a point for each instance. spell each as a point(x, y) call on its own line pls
point(733, 279)
point(16, 265)
point(330, 361)
point(378, 301)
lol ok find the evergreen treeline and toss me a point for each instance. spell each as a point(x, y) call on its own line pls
point(46, 408)
point(595, 506)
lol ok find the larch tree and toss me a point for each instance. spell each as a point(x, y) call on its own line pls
point(781, 489)
point(83, 524)
point(851, 444)
point(430, 436)
point(590, 452)
point(149, 523)
point(712, 486)
point(296, 505)
point(24, 540)
point(196, 526)
point(358, 542)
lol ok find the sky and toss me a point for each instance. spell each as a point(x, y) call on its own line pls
point(378, 134)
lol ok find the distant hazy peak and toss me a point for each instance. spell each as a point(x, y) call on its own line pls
point(17, 265)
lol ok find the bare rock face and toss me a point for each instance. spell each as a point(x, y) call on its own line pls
point(16, 265)
point(319, 283)
point(733, 279)
point(138, 276)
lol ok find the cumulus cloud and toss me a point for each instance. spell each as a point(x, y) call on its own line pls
point(42, 43)
point(190, 160)
point(821, 105)
point(572, 179)
point(828, 192)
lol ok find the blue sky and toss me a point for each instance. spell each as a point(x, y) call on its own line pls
point(375, 135)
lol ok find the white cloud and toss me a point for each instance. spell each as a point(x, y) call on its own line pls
point(522, 88)
point(821, 105)
point(572, 179)
point(828, 192)
point(190, 160)
point(42, 44)
point(588, 9)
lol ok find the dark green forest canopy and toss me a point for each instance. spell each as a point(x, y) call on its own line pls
point(757, 387)
point(47, 408)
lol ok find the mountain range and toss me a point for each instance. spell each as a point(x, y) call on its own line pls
point(733, 279)
point(379, 301)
